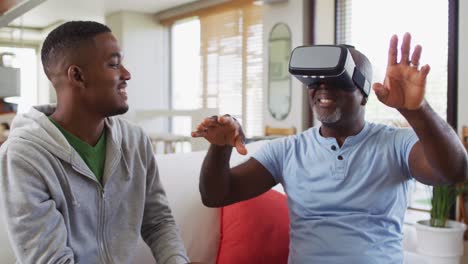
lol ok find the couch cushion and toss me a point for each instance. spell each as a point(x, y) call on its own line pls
point(199, 225)
point(255, 231)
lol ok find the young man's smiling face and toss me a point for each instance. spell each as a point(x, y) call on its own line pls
point(104, 77)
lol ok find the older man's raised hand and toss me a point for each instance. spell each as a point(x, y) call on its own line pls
point(222, 131)
point(405, 82)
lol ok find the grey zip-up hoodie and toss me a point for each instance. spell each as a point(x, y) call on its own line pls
point(57, 212)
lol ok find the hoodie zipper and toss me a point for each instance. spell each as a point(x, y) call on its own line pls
point(107, 256)
point(103, 252)
point(101, 236)
point(102, 221)
point(106, 249)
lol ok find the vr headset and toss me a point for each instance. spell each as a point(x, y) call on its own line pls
point(327, 64)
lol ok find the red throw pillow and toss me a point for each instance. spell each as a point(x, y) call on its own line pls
point(255, 231)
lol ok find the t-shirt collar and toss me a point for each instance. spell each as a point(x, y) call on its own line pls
point(349, 141)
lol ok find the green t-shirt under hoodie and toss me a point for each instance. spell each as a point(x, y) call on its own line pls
point(93, 156)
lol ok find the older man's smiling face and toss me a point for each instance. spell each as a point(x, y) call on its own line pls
point(334, 105)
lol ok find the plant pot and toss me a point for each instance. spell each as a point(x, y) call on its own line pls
point(440, 242)
point(411, 257)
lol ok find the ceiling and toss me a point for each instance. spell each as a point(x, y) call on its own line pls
point(57, 11)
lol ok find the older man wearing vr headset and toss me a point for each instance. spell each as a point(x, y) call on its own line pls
point(347, 179)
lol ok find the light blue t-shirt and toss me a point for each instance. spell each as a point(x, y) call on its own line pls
point(346, 205)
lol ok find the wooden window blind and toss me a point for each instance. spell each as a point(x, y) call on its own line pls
point(231, 53)
point(231, 62)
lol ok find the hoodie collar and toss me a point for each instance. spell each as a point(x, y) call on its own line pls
point(35, 126)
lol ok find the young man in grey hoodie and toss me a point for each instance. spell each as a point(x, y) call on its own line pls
point(79, 185)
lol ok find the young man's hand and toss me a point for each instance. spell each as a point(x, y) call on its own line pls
point(405, 82)
point(221, 131)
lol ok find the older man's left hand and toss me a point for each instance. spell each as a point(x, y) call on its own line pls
point(405, 82)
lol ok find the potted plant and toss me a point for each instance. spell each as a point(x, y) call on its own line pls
point(443, 198)
point(440, 237)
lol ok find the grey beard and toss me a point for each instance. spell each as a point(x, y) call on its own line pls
point(328, 119)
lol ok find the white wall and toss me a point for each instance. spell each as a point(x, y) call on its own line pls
point(462, 65)
point(143, 43)
point(290, 13)
point(324, 27)
point(324, 24)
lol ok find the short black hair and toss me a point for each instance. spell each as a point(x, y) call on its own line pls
point(67, 36)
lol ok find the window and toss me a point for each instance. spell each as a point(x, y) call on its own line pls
point(216, 60)
point(26, 60)
point(368, 25)
point(370, 33)
point(186, 92)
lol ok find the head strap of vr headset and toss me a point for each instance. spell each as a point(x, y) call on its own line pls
point(358, 78)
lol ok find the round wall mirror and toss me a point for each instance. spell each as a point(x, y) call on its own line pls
point(279, 79)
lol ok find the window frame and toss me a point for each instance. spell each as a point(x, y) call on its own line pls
point(452, 71)
point(33, 45)
point(452, 63)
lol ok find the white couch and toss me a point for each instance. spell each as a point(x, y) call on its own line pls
point(199, 225)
